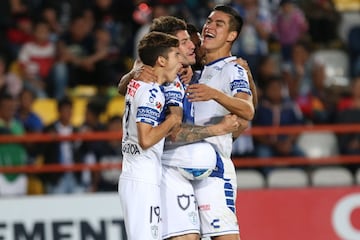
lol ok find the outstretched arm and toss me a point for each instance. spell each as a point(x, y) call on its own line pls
point(189, 133)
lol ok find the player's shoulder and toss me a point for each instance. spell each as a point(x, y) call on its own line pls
point(233, 68)
point(175, 85)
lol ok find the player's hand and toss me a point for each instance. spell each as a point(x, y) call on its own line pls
point(243, 125)
point(143, 72)
point(228, 124)
point(200, 92)
point(186, 74)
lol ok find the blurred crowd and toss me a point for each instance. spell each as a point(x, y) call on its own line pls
point(304, 56)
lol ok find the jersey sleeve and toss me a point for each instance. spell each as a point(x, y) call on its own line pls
point(150, 103)
point(174, 93)
point(238, 79)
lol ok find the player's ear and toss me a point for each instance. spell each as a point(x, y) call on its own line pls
point(161, 61)
point(232, 36)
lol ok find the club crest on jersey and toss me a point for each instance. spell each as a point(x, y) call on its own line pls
point(183, 201)
point(155, 231)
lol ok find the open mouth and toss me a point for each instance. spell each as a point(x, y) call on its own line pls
point(209, 36)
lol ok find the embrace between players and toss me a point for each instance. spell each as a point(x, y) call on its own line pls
point(178, 181)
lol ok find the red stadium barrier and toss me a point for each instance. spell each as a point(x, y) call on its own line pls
point(239, 162)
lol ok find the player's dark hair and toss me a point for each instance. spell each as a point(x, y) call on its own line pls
point(155, 44)
point(168, 24)
point(236, 21)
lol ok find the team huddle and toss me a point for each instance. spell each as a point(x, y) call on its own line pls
point(178, 180)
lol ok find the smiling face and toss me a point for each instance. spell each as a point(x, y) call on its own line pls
point(216, 32)
point(172, 64)
point(186, 47)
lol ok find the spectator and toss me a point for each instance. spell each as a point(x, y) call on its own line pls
point(9, 82)
point(30, 120)
point(252, 42)
point(11, 154)
point(61, 153)
point(36, 59)
point(290, 26)
point(19, 33)
point(88, 150)
point(275, 110)
point(324, 20)
point(109, 152)
point(77, 63)
point(267, 68)
point(349, 144)
point(319, 105)
point(50, 16)
point(297, 72)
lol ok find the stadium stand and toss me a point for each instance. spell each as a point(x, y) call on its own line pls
point(249, 178)
point(318, 144)
point(46, 108)
point(331, 176)
point(287, 177)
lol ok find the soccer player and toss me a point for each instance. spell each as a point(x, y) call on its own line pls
point(144, 131)
point(223, 88)
point(182, 221)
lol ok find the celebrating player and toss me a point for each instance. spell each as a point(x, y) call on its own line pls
point(223, 88)
point(144, 131)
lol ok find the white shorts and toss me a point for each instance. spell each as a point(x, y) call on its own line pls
point(141, 207)
point(179, 208)
point(216, 197)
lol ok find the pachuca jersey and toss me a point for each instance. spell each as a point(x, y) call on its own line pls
point(144, 103)
point(230, 78)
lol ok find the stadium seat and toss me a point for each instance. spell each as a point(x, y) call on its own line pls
point(46, 108)
point(83, 91)
point(115, 106)
point(331, 176)
point(318, 144)
point(287, 177)
point(79, 108)
point(337, 66)
point(248, 178)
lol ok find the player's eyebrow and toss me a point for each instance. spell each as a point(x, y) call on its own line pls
point(209, 19)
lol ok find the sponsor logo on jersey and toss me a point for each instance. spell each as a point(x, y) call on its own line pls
point(130, 148)
point(148, 113)
point(173, 97)
point(152, 97)
point(215, 223)
point(205, 207)
point(132, 87)
point(240, 85)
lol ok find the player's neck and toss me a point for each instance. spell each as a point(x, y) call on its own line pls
point(159, 72)
point(214, 55)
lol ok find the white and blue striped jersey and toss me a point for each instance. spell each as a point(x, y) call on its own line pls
point(230, 78)
point(144, 103)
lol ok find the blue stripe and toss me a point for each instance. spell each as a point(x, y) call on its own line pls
point(219, 170)
point(229, 193)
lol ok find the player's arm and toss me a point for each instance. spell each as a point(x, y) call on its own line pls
point(252, 84)
point(149, 135)
point(139, 71)
point(240, 104)
point(190, 133)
